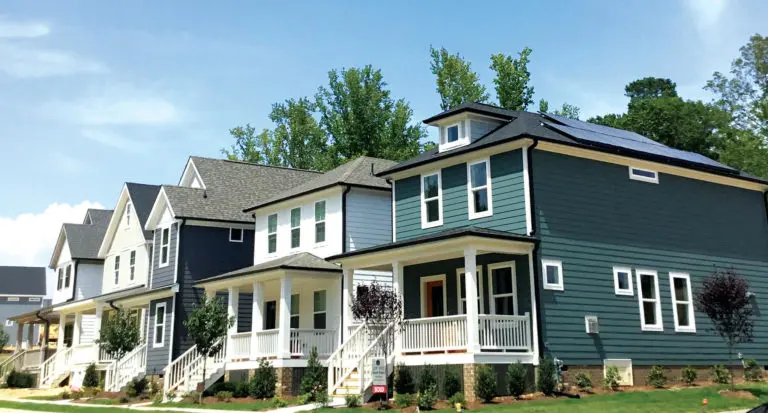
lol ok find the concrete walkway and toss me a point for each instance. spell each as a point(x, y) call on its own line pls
point(149, 407)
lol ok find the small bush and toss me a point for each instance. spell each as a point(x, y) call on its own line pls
point(154, 388)
point(278, 402)
point(547, 381)
point(719, 374)
point(612, 378)
point(192, 397)
point(404, 380)
point(427, 398)
point(656, 377)
point(403, 400)
point(65, 395)
point(124, 399)
point(516, 379)
point(427, 378)
point(171, 394)
point(451, 383)
point(752, 370)
point(262, 385)
point(241, 390)
point(314, 379)
point(91, 378)
point(91, 391)
point(304, 399)
point(224, 396)
point(77, 395)
point(218, 387)
point(130, 390)
point(485, 383)
point(457, 398)
point(322, 399)
point(583, 381)
point(352, 400)
point(20, 380)
point(157, 398)
point(688, 375)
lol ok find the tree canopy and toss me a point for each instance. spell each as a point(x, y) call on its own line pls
point(456, 82)
point(512, 80)
point(119, 334)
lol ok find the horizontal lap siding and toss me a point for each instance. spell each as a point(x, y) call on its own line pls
point(163, 276)
point(592, 217)
point(157, 357)
point(508, 199)
point(368, 218)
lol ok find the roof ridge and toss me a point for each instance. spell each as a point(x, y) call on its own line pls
point(352, 166)
point(256, 164)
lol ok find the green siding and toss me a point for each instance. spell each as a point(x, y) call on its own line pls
point(591, 216)
point(506, 186)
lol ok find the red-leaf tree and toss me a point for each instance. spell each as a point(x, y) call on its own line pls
point(724, 297)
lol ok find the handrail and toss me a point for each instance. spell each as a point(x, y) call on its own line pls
point(51, 367)
point(126, 368)
point(361, 367)
point(434, 319)
point(185, 366)
point(10, 361)
point(336, 366)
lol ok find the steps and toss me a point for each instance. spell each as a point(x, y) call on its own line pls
point(350, 385)
point(186, 372)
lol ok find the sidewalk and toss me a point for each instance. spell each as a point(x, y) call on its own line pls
point(149, 407)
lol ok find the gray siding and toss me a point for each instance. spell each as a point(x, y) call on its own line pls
point(479, 128)
point(163, 276)
point(13, 308)
point(508, 199)
point(591, 216)
point(369, 218)
point(157, 357)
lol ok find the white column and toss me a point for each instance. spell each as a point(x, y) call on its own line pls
point(470, 281)
point(99, 317)
point(20, 337)
point(334, 308)
point(346, 301)
point(76, 329)
point(284, 328)
point(143, 323)
point(233, 300)
point(257, 317)
point(534, 313)
point(44, 342)
point(62, 327)
point(30, 335)
point(397, 285)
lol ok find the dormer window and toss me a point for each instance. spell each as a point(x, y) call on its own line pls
point(454, 135)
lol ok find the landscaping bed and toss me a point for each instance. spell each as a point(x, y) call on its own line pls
point(244, 403)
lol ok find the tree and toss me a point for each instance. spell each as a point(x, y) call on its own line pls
point(207, 324)
point(252, 147)
point(119, 334)
point(456, 82)
point(650, 87)
point(724, 297)
point(567, 110)
point(298, 139)
point(512, 80)
point(314, 380)
point(3, 339)
point(543, 106)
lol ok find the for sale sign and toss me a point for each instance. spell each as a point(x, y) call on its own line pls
point(379, 376)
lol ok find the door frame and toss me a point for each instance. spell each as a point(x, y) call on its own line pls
point(423, 293)
point(266, 317)
point(492, 296)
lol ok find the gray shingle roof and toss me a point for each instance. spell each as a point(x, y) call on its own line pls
point(98, 217)
point(475, 107)
point(143, 197)
point(300, 261)
point(359, 172)
point(22, 280)
point(84, 240)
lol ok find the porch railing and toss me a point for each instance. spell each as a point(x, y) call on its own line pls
point(505, 332)
point(33, 358)
point(84, 354)
point(240, 345)
point(435, 334)
point(266, 343)
point(302, 341)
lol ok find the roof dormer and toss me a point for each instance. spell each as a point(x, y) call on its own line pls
point(467, 122)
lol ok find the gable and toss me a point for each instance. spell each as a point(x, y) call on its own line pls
point(191, 176)
point(121, 234)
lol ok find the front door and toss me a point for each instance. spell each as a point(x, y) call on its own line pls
point(435, 301)
point(270, 313)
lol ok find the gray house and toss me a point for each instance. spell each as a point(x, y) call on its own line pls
point(22, 290)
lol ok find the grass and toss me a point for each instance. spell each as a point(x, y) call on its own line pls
point(48, 397)
point(246, 406)
point(106, 402)
point(62, 408)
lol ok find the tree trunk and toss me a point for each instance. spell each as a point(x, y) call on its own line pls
point(205, 359)
point(730, 362)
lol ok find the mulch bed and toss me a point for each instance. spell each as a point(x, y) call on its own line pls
point(738, 394)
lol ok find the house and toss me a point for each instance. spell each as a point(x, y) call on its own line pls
point(290, 299)
point(580, 242)
point(22, 289)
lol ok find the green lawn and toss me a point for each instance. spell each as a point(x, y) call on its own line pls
point(107, 402)
point(48, 397)
point(249, 406)
point(62, 408)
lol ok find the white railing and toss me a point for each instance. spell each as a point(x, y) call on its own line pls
point(302, 341)
point(15, 362)
point(127, 368)
point(505, 332)
point(266, 343)
point(174, 372)
point(385, 339)
point(56, 365)
point(85, 354)
point(435, 334)
point(32, 358)
point(339, 366)
point(104, 357)
point(239, 346)
point(188, 367)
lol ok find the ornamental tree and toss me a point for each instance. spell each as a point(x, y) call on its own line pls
point(3, 339)
point(724, 297)
point(119, 334)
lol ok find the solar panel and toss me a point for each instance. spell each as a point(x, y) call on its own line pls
point(606, 130)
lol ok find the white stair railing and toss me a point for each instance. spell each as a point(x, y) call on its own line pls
point(344, 360)
point(375, 350)
point(16, 361)
point(189, 366)
point(127, 368)
point(56, 365)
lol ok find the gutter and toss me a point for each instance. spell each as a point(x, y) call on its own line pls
point(536, 258)
point(320, 188)
point(344, 219)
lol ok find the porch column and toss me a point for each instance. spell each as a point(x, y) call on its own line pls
point(97, 321)
point(397, 286)
point(142, 323)
point(30, 336)
point(257, 318)
point(44, 342)
point(534, 314)
point(76, 329)
point(232, 306)
point(62, 327)
point(346, 301)
point(20, 336)
point(284, 332)
point(334, 308)
point(470, 281)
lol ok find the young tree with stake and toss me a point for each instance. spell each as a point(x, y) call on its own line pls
point(119, 334)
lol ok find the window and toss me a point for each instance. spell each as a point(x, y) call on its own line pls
point(503, 286)
point(68, 276)
point(682, 303)
point(553, 275)
point(644, 175)
point(9, 323)
point(272, 234)
point(13, 299)
point(462, 291)
point(431, 201)
point(235, 235)
point(479, 189)
point(34, 299)
point(128, 211)
point(295, 305)
point(295, 228)
point(319, 222)
point(648, 299)
point(165, 243)
point(319, 310)
point(452, 133)
point(61, 279)
point(117, 269)
point(622, 281)
point(133, 265)
point(159, 331)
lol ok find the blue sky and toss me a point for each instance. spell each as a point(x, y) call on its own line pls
point(97, 93)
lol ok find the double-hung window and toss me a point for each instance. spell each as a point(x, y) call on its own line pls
point(318, 310)
point(133, 265)
point(165, 246)
point(503, 288)
point(622, 281)
point(61, 279)
point(272, 234)
point(117, 269)
point(159, 330)
point(431, 200)
point(295, 228)
point(648, 299)
point(128, 212)
point(319, 222)
point(682, 302)
point(462, 292)
point(479, 189)
point(553, 275)
point(295, 305)
point(68, 276)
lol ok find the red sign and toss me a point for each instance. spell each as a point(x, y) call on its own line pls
point(379, 389)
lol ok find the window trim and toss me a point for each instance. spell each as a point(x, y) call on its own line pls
point(242, 235)
point(132, 265)
point(166, 262)
point(439, 198)
point(117, 269)
point(60, 278)
point(659, 326)
point(423, 293)
point(324, 312)
point(298, 227)
point(492, 294)
point(323, 221)
point(617, 290)
point(691, 314)
point(463, 138)
point(560, 286)
point(128, 213)
point(155, 344)
point(68, 274)
point(470, 190)
point(481, 297)
point(634, 176)
point(269, 234)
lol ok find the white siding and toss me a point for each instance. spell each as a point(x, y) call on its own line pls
point(88, 280)
point(88, 329)
point(125, 240)
point(65, 259)
point(369, 218)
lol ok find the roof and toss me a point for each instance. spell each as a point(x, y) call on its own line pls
point(360, 172)
point(231, 186)
point(84, 240)
point(143, 197)
point(474, 107)
point(301, 261)
point(22, 280)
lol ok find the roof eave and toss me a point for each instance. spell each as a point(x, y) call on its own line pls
point(318, 189)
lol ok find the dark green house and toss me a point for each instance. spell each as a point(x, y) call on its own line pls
point(580, 242)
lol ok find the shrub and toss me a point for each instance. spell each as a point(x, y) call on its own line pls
point(404, 380)
point(403, 400)
point(157, 398)
point(20, 380)
point(322, 399)
point(457, 398)
point(224, 396)
point(278, 402)
point(352, 400)
point(451, 383)
point(77, 395)
point(91, 378)
point(752, 370)
point(262, 385)
point(171, 394)
point(124, 399)
point(130, 390)
point(583, 381)
point(612, 378)
point(547, 381)
point(314, 380)
point(427, 397)
point(719, 374)
point(427, 378)
point(218, 387)
point(91, 391)
point(155, 388)
point(192, 397)
point(241, 390)
point(688, 375)
point(485, 383)
point(656, 377)
point(516, 379)
point(65, 395)
point(303, 399)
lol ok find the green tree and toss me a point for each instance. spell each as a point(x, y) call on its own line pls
point(207, 324)
point(119, 334)
point(543, 106)
point(252, 147)
point(3, 339)
point(314, 380)
point(650, 87)
point(567, 110)
point(456, 82)
point(512, 80)
point(298, 140)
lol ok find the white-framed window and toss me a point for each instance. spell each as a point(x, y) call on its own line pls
point(132, 264)
point(128, 213)
point(9, 323)
point(645, 175)
point(648, 300)
point(117, 269)
point(61, 279)
point(454, 135)
point(13, 299)
point(272, 234)
point(295, 306)
point(235, 235)
point(461, 292)
point(159, 339)
point(319, 222)
point(479, 189)
point(552, 275)
point(431, 200)
point(622, 281)
point(318, 310)
point(67, 276)
point(502, 280)
point(682, 302)
point(165, 246)
point(295, 228)
point(34, 299)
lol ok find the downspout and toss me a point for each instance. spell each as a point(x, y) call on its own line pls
point(343, 250)
point(536, 258)
point(392, 213)
point(74, 279)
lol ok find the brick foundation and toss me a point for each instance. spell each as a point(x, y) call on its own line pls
point(468, 371)
point(284, 385)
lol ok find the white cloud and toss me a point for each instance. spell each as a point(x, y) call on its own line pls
point(119, 106)
point(10, 29)
point(29, 62)
point(706, 13)
point(111, 139)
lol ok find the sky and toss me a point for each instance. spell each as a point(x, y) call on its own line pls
point(94, 93)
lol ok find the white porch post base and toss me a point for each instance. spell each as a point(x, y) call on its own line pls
point(284, 331)
point(470, 281)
